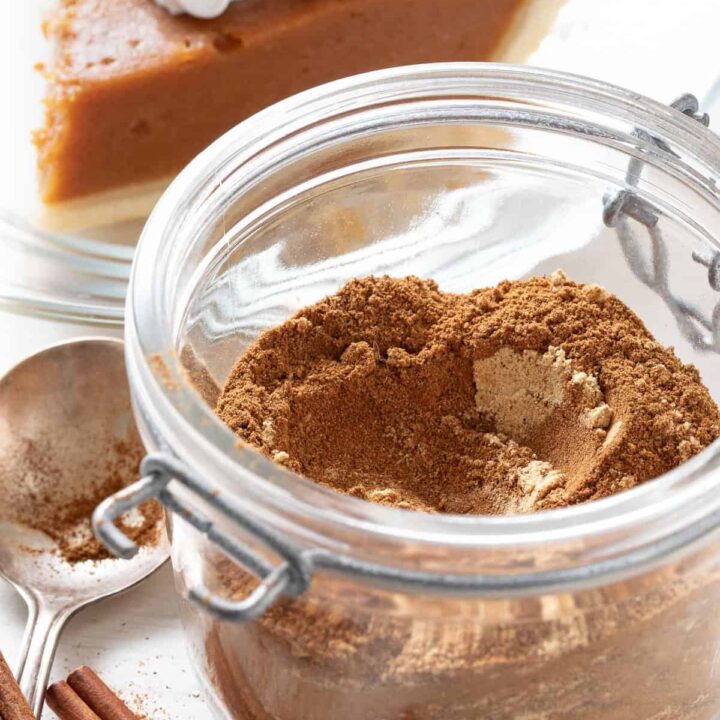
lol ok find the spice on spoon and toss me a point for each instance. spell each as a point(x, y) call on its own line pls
point(13, 705)
point(49, 499)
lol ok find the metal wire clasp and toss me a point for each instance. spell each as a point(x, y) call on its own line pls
point(620, 207)
point(159, 472)
point(293, 574)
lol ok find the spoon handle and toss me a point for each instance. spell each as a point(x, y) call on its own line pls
point(41, 639)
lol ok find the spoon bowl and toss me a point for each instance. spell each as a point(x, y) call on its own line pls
point(66, 426)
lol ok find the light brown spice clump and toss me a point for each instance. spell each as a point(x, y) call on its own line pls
point(534, 394)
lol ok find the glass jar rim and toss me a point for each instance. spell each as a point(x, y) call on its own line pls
point(182, 422)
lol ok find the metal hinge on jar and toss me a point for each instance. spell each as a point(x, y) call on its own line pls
point(622, 207)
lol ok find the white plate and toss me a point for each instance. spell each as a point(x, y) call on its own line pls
point(81, 277)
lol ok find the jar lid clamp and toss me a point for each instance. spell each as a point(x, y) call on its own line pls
point(621, 207)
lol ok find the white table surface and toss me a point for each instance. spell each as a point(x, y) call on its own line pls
point(135, 640)
point(660, 47)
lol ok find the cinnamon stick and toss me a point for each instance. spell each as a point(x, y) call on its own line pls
point(67, 704)
point(13, 705)
point(98, 696)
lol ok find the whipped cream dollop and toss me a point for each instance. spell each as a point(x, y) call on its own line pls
point(197, 8)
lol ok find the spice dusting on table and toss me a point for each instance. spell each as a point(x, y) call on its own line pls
point(530, 395)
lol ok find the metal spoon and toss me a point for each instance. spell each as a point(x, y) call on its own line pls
point(62, 413)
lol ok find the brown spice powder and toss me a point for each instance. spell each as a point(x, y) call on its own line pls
point(531, 395)
point(535, 394)
point(42, 497)
point(389, 656)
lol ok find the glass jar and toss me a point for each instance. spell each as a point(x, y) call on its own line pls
point(469, 174)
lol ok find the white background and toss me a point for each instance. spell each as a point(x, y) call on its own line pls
point(659, 47)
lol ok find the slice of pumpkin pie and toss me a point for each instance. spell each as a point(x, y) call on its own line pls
point(134, 92)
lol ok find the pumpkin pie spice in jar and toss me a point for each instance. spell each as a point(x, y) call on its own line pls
point(531, 395)
point(462, 483)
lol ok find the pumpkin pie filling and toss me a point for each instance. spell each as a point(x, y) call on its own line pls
point(134, 92)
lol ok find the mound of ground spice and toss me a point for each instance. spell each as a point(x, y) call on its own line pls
point(531, 395)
